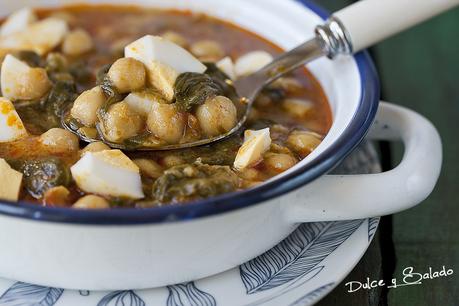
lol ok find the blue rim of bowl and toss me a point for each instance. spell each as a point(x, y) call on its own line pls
point(325, 162)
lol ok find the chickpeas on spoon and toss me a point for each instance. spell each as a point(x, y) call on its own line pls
point(149, 102)
point(184, 103)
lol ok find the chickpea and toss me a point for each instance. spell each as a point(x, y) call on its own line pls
point(39, 83)
point(207, 50)
point(303, 142)
point(94, 147)
point(217, 116)
point(56, 196)
point(176, 38)
point(86, 106)
point(166, 123)
point(288, 84)
point(250, 174)
point(77, 42)
point(67, 17)
point(250, 184)
point(149, 167)
point(254, 116)
point(263, 101)
point(170, 161)
point(279, 128)
point(56, 62)
point(279, 162)
point(91, 202)
point(60, 141)
point(117, 46)
point(121, 122)
point(297, 107)
point(88, 132)
point(127, 75)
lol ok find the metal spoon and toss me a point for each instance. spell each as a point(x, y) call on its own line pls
point(350, 30)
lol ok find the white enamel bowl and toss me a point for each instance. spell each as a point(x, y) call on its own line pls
point(125, 249)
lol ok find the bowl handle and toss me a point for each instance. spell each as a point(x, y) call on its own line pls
point(341, 197)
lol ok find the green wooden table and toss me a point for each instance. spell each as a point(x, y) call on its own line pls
point(419, 69)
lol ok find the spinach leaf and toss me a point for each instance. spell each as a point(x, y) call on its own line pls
point(43, 174)
point(193, 89)
point(80, 71)
point(193, 181)
point(223, 80)
point(113, 96)
point(61, 95)
point(31, 58)
point(49, 107)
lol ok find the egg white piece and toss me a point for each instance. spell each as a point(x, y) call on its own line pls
point(164, 61)
point(11, 126)
point(142, 102)
point(10, 182)
point(226, 65)
point(109, 173)
point(256, 143)
point(40, 37)
point(19, 81)
point(252, 62)
point(18, 21)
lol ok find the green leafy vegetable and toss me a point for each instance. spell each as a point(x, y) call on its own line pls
point(113, 96)
point(80, 71)
point(56, 62)
point(216, 73)
point(31, 58)
point(193, 181)
point(43, 174)
point(193, 89)
point(49, 107)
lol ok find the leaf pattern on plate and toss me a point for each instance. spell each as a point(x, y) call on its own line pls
point(312, 296)
point(296, 255)
point(121, 298)
point(23, 294)
point(292, 286)
point(372, 227)
point(188, 294)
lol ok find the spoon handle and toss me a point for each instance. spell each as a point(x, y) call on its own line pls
point(370, 21)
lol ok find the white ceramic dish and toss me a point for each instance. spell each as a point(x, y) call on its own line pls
point(299, 271)
point(313, 281)
point(125, 249)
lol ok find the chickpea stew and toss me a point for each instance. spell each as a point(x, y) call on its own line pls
point(121, 75)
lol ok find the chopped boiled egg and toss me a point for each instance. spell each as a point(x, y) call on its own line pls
point(252, 62)
point(11, 126)
point(227, 66)
point(109, 173)
point(41, 37)
point(10, 182)
point(18, 21)
point(256, 143)
point(143, 102)
point(21, 82)
point(164, 61)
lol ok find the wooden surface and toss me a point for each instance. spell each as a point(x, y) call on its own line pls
point(419, 69)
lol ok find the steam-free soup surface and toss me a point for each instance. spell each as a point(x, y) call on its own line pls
point(88, 76)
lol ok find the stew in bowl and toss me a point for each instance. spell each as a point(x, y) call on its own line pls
point(126, 77)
